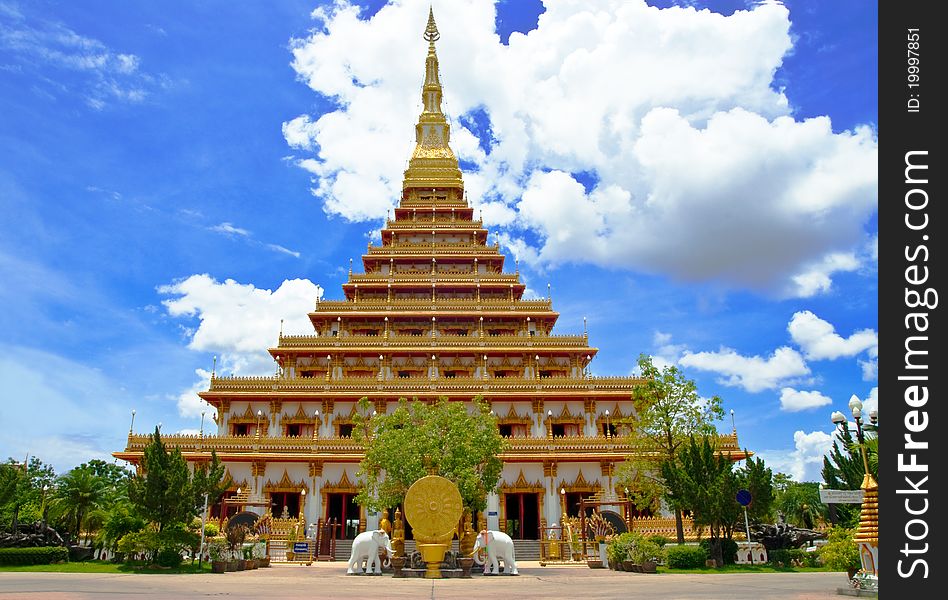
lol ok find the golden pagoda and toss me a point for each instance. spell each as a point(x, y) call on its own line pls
point(433, 314)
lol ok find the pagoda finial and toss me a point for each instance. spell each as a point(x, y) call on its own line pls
point(431, 30)
point(432, 164)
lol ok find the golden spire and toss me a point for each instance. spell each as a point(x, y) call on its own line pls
point(432, 164)
point(431, 31)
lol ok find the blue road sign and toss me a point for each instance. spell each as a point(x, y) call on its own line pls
point(743, 497)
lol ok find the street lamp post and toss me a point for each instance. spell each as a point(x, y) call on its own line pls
point(867, 535)
point(203, 524)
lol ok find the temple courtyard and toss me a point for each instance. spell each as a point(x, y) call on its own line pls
point(329, 580)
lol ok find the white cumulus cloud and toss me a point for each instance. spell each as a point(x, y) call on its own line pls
point(818, 338)
point(792, 400)
point(693, 137)
point(238, 321)
point(805, 461)
point(753, 373)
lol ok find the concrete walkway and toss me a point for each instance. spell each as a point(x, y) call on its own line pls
point(329, 580)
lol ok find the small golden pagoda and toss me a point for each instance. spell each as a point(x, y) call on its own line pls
point(435, 313)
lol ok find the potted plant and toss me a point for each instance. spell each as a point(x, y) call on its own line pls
point(291, 536)
point(235, 541)
point(260, 554)
point(218, 552)
point(249, 561)
point(646, 554)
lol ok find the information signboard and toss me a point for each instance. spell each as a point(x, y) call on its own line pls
point(841, 496)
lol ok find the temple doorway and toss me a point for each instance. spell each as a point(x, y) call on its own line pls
point(342, 508)
point(285, 505)
point(522, 516)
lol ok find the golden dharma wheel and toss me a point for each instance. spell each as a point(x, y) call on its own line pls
point(433, 506)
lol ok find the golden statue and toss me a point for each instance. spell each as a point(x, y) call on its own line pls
point(384, 524)
point(467, 535)
point(398, 535)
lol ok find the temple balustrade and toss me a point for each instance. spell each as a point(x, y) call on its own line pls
point(399, 247)
point(538, 340)
point(426, 277)
point(486, 304)
point(438, 223)
point(344, 447)
point(419, 384)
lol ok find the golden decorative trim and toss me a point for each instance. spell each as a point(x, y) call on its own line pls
point(344, 485)
point(284, 485)
point(522, 486)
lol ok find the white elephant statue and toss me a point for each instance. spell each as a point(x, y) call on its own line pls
point(365, 548)
point(499, 546)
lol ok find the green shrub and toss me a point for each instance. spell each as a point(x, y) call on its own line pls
point(149, 542)
point(840, 552)
point(728, 549)
point(618, 549)
point(661, 540)
point(635, 547)
point(33, 556)
point(218, 550)
point(168, 557)
point(685, 557)
point(645, 550)
point(211, 530)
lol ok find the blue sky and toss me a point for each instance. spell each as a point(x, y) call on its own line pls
point(698, 181)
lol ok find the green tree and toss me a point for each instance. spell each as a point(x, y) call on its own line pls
point(162, 493)
point(843, 469)
point(669, 413)
point(77, 493)
point(119, 520)
point(114, 478)
point(702, 481)
point(24, 488)
point(443, 437)
point(799, 503)
point(757, 478)
point(208, 479)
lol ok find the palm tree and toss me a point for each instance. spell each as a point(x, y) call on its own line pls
point(78, 492)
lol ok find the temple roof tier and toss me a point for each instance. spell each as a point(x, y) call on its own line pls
point(496, 307)
point(299, 449)
point(412, 277)
point(459, 342)
point(422, 224)
point(437, 249)
point(508, 385)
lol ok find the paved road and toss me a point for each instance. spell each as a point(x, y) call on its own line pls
point(328, 580)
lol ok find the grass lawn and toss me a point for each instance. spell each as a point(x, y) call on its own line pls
point(97, 566)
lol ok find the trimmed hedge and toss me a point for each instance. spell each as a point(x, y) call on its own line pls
point(728, 549)
point(792, 557)
point(685, 557)
point(169, 557)
point(33, 556)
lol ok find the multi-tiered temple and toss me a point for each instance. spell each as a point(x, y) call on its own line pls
point(435, 314)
